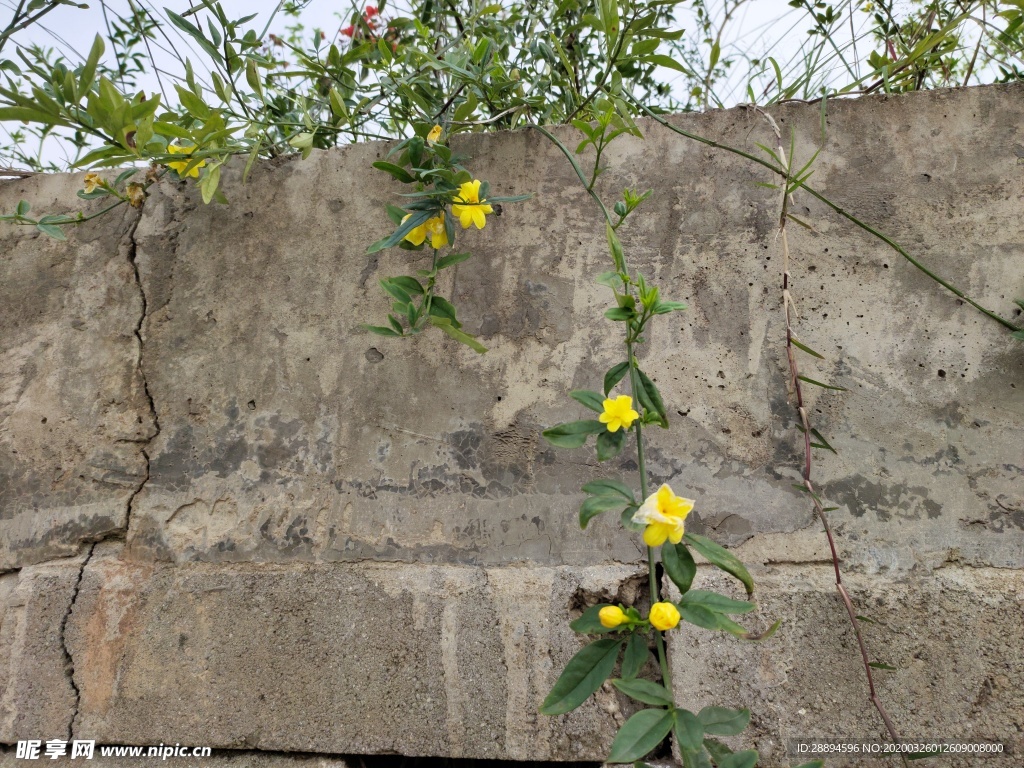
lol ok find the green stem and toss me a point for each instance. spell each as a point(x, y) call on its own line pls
point(579, 172)
point(845, 214)
point(652, 577)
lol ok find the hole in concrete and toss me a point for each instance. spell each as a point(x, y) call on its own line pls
point(252, 405)
point(942, 374)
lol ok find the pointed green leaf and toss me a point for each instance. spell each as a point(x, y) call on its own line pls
point(679, 565)
point(463, 338)
point(716, 602)
point(409, 284)
point(397, 171)
point(805, 348)
point(609, 487)
point(614, 376)
point(610, 443)
point(721, 557)
point(650, 397)
point(573, 434)
point(589, 399)
point(636, 655)
point(640, 734)
point(616, 248)
point(819, 384)
point(646, 691)
point(880, 665)
point(379, 330)
point(582, 676)
point(723, 721)
point(595, 505)
point(689, 730)
point(451, 259)
point(52, 230)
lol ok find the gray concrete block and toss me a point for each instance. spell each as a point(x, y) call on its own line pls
point(37, 698)
point(954, 638)
point(73, 409)
point(335, 658)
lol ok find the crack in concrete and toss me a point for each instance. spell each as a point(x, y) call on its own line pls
point(69, 661)
point(132, 256)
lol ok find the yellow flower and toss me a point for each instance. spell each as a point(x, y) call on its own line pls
point(612, 616)
point(469, 207)
point(180, 166)
point(433, 227)
point(618, 413)
point(92, 182)
point(664, 616)
point(434, 135)
point(663, 513)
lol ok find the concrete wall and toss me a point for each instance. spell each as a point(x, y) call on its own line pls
point(229, 517)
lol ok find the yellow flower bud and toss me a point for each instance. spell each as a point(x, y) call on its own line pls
point(612, 616)
point(664, 616)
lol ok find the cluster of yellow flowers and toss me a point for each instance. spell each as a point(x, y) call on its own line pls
point(468, 208)
point(663, 616)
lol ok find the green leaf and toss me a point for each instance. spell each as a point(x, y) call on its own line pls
point(620, 313)
point(689, 729)
point(52, 230)
point(640, 734)
point(650, 397)
point(590, 622)
point(881, 665)
point(582, 676)
point(700, 616)
point(717, 749)
point(395, 290)
point(23, 207)
point(409, 284)
point(195, 105)
point(88, 75)
point(610, 443)
point(646, 691)
point(609, 487)
point(627, 519)
point(661, 60)
point(614, 376)
point(573, 434)
point(417, 218)
point(444, 310)
point(679, 565)
point(664, 307)
point(595, 505)
point(722, 558)
point(397, 171)
point(819, 384)
point(591, 400)
point(616, 248)
point(716, 602)
point(636, 655)
point(723, 721)
point(194, 32)
point(451, 259)
point(805, 348)
point(463, 338)
point(379, 330)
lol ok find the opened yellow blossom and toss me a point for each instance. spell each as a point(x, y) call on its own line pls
point(181, 165)
point(663, 513)
point(611, 616)
point(435, 134)
point(433, 227)
point(92, 182)
point(469, 207)
point(618, 413)
point(664, 616)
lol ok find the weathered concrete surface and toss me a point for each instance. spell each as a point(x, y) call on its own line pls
point(299, 457)
point(342, 659)
point(72, 404)
point(221, 759)
point(290, 434)
point(954, 636)
point(37, 698)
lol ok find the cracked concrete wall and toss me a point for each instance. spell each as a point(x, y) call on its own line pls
point(308, 533)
